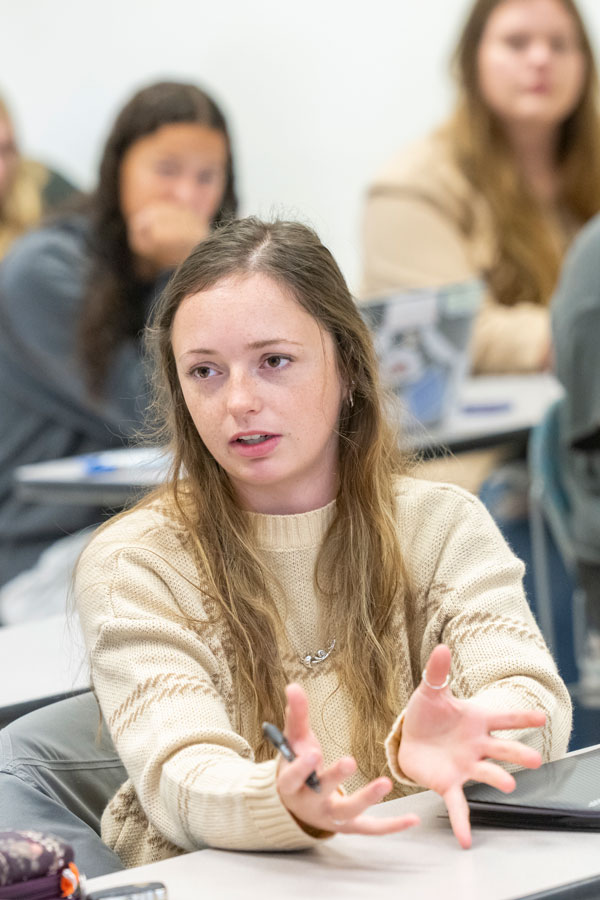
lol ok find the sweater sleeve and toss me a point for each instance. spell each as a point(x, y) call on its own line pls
point(500, 658)
point(160, 686)
point(474, 602)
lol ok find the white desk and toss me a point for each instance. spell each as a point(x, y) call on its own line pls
point(509, 406)
point(40, 662)
point(109, 478)
point(491, 410)
point(424, 863)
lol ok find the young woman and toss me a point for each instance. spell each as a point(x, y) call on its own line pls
point(502, 188)
point(74, 297)
point(291, 571)
point(27, 188)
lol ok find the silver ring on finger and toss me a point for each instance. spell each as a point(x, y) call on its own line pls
point(436, 687)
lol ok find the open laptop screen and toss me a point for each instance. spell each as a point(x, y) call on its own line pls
point(422, 341)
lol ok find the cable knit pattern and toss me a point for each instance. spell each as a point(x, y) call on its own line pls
point(163, 667)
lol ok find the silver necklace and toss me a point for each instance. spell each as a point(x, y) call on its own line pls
point(312, 658)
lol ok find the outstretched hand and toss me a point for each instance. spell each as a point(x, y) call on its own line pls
point(446, 742)
point(329, 809)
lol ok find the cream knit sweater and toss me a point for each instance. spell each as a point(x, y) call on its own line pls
point(426, 225)
point(164, 678)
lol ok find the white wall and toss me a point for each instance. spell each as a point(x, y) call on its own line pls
point(318, 92)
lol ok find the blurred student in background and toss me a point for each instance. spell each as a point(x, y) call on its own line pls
point(500, 190)
point(27, 189)
point(74, 297)
point(576, 333)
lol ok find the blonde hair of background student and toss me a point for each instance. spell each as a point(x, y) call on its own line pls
point(22, 185)
point(528, 260)
point(499, 191)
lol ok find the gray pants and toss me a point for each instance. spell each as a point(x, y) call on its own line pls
point(57, 774)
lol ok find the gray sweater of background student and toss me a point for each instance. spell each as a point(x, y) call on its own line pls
point(46, 410)
point(576, 333)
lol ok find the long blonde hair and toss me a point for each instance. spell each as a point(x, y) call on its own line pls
point(21, 207)
point(359, 570)
point(528, 258)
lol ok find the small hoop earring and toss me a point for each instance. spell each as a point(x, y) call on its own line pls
point(350, 399)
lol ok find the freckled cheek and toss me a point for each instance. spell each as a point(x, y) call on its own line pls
point(199, 414)
point(324, 414)
point(212, 438)
point(304, 407)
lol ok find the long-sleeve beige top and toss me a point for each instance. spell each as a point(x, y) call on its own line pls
point(425, 225)
point(162, 665)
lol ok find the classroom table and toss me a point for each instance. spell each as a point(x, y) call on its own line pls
point(109, 478)
point(491, 410)
point(41, 661)
point(423, 863)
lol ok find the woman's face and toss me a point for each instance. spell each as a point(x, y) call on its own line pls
point(530, 62)
point(261, 383)
point(183, 163)
point(8, 157)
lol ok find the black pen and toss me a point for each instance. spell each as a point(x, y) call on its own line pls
point(279, 741)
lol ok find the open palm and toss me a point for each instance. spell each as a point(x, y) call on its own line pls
point(446, 742)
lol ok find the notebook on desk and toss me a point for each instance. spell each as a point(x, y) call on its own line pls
point(422, 341)
point(564, 794)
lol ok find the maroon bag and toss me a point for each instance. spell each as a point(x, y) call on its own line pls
point(36, 866)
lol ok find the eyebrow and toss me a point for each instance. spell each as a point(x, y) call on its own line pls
point(254, 345)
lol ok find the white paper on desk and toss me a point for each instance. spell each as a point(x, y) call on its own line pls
point(140, 460)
